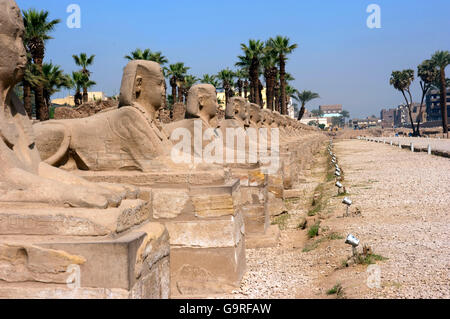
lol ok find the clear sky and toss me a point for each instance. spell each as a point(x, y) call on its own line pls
point(338, 57)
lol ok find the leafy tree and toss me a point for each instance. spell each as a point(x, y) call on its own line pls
point(53, 80)
point(210, 79)
point(401, 81)
point(84, 62)
point(251, 60)
point(176, 73)
point(304, 97)
point(37, 30)
point(227, 76)
point(441, 59)
point(282, 46)
point(189, 81)
point(428, 74)
point(269, 62)
point(138, 54)
point(147, 55)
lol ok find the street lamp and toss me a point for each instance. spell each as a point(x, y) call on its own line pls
point(354, 242)
point(347, 202)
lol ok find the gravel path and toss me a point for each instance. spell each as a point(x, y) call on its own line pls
point(404, 201)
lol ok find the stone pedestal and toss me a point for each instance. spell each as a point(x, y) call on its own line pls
point(112, 253)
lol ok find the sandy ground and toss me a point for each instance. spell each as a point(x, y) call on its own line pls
point(404, 202)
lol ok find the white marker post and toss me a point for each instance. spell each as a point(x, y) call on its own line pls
point(412, 147)
point(429, 149)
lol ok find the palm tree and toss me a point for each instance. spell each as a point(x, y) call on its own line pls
point(32, 79)
point(441, 60)
point(189, 81)
point(401, 81)
point(138, 54)
point(158, 58)
point(37, 29)
point(147, 55)
point(429, 75)
point(80, 81)
point(227, 76)
point(84, 61)
point(210, 79)
point(253, 53)
point(176, 72)
point(304, 97)
point(290, 92)
point(282, 47)
point(54, 79)
point(269, 62)
point(240, 74)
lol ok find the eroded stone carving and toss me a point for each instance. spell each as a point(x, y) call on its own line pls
point(122, 139)
point(23, 176)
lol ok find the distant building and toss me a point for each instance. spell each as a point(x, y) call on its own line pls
point(387, 118)
point(70, 100)
point(433, 102)
point(399, 117)
point(331, 110)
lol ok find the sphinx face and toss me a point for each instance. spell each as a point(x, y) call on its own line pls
point(255, 115)
point(149, 87)
point(13, 55)
point(208, 103)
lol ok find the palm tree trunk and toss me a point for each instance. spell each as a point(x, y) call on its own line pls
point(245, 89)
point(269, 89)
point(302, 112)
point(180, 93)
point(239, 83)
point(254, 79)
point(27, 98)
point(174, 89)
point(42, 113)
point(283, 85)
point(444, 102)
point(85, 95)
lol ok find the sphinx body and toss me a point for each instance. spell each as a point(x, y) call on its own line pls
point(23, 175)
point(121, 139)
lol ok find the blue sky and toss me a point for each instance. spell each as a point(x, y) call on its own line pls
point(338, 57)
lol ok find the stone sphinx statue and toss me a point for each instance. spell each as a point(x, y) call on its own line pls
point(121, 139)
point(201, 112)
point(255, 116)
point(236, 114)
point(23, 176)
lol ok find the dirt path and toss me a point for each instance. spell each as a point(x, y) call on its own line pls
point(404, 202)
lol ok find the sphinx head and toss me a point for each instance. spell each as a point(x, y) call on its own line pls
point(255, 113)
point(267, 117)
point(143, 84)
point(237, 108)
point(12, 52)
point(202, 102)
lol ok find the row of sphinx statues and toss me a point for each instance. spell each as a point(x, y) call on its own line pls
point(126, 138)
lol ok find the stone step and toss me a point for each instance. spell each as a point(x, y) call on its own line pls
point(17, 220)
point(136, 262)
